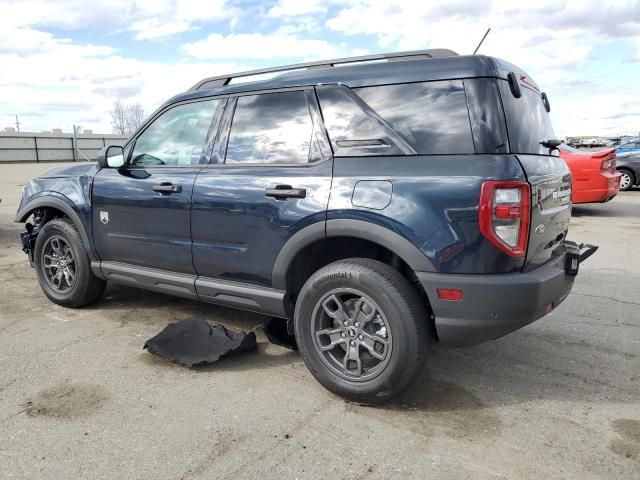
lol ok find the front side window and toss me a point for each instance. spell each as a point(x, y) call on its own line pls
point(177, 137)
point(271, 128)
point(432, 117)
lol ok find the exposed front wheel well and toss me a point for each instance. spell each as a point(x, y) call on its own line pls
point(42, 215)
point(328, 250)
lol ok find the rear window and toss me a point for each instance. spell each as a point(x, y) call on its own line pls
point(271, 128)
point(528, 122)
point(432, 117)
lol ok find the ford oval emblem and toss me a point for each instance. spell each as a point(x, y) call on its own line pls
point(540, 229)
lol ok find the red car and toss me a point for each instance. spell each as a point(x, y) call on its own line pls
point(595, 178)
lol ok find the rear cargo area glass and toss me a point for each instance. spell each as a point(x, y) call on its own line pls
point(528, 123)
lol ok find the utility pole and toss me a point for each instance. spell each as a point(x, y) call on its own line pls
point(75, 143)
point(17, 123)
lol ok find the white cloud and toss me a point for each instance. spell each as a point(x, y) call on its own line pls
point(552, 40)
point(147, 19)
point(294, 8)
point(55, 79)
point(70, 84)
point(263, 46)
point(157, 19)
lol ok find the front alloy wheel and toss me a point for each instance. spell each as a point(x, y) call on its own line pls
point(63, 266)
point(58, 264)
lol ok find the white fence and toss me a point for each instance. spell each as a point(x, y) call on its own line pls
point(53, 147)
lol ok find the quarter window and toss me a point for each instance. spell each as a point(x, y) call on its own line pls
point(432, 117)
point(271, 128)
point(355, 129)
point(177, 137)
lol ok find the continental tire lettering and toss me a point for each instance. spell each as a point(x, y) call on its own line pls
point(333, 276)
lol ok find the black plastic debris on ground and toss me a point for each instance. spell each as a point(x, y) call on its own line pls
point(195, 341)
point(276, 332)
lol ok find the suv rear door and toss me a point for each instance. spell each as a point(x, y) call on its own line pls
point(270, 176)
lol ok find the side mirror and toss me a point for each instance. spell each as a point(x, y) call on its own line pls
point(111, 157)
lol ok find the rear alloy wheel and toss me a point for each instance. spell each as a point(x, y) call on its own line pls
point(627, 180)
point(351, 334)
point(362, 329)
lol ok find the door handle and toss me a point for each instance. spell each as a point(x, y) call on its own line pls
point(167, 188)
point(282, 192)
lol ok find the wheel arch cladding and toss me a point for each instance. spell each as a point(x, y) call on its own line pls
point(359, 229)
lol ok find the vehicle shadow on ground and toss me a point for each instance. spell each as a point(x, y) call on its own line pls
point(602, 210)
point(154, 311)
point(525, 366)
point(617, 207)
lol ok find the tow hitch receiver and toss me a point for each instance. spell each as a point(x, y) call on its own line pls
point(576, 254)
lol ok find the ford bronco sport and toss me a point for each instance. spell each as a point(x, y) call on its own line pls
point(375, 202)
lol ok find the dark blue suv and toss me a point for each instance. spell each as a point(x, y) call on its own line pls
point(376, 203)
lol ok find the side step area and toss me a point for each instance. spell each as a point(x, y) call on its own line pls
point(222, 292)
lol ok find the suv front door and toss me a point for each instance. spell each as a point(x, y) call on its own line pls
point(270, 176)
point(141, 211)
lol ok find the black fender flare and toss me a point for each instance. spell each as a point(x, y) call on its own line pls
point(393, 241)
point(64, 207)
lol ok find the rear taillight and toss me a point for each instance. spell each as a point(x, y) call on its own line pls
point(609, 163)
point(504, 215)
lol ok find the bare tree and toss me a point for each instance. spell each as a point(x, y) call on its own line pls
point(119, 118)
point(135, 117)
point(125, 119)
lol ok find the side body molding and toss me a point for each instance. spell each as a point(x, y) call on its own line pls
point(56, 201)
point(375, 233)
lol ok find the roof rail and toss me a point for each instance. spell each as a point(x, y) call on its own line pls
point(221, 80)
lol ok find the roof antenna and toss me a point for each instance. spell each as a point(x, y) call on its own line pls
point(485, 36)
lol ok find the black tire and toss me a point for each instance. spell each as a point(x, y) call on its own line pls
point(632, 179)
point(85, 288)
point(401, 311)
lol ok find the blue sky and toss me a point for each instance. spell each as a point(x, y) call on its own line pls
point(66, 62)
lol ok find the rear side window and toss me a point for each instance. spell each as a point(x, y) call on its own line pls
point(487, 116)
point(528, 122)
point(271, 128)
point(432, 117)
point(177, 137)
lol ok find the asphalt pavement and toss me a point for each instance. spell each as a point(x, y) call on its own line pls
point(557, 399)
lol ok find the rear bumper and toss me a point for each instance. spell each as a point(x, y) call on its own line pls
point(601, 187)
point(494, 305)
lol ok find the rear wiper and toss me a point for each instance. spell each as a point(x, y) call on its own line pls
point(551, 144)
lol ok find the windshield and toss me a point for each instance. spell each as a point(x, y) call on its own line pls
point(528, 122)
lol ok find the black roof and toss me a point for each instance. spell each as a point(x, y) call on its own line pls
point(412, 69)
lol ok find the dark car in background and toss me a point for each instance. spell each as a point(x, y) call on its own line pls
point(376, 206)
point(628, 147)
point(628, 164)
